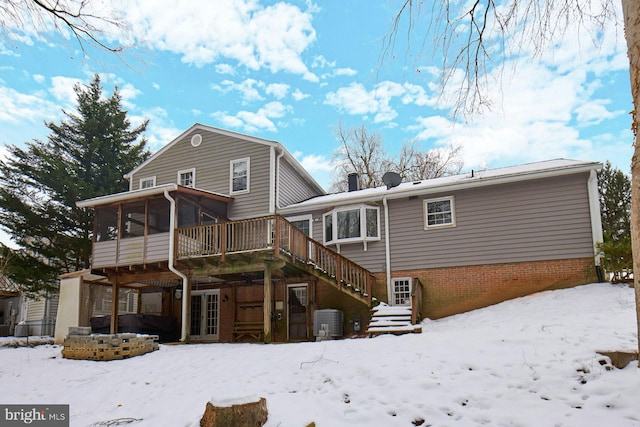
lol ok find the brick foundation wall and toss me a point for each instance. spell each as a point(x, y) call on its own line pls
point(454, 290)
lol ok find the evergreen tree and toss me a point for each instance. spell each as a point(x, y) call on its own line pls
point(84, 156)
point(614, 188)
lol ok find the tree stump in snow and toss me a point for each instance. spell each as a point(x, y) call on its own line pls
point(252, 414)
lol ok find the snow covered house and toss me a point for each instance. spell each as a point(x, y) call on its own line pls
point(225, 237)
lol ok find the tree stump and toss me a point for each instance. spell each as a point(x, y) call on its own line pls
point(252, 414)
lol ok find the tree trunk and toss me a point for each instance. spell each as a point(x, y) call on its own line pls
point(631, 11)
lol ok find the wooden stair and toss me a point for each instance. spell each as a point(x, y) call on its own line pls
point(387, 319)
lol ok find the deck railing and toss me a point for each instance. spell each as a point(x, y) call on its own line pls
point(274, 233)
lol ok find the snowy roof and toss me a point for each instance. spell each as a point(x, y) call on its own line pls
point(8, 287)
point(470, 179)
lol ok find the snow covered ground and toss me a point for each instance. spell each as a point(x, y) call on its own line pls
point(528, 362)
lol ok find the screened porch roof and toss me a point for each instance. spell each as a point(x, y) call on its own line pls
point(148, 192)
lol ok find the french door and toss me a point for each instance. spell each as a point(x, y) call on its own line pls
point(205, 315)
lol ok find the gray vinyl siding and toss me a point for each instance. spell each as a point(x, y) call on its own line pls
point(292, 187)
point(527, 221)
point(211, 159)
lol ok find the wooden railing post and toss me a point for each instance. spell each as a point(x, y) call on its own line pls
point(223, 241)
point(276, 237)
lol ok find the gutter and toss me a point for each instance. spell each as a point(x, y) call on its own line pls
point(594, 211)
point(173, 269)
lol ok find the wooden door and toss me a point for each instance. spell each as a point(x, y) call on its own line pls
point(297, 312)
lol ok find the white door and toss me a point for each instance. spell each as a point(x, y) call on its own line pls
point(205, 315)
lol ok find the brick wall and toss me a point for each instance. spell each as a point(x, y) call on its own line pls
point(456, 290)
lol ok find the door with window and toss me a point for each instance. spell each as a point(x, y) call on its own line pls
point(297, 311)
point(205, 315)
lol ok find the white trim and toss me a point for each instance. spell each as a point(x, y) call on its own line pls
point(203, 315)
point(192, 171)
point(272, 180)
point(594, 211)
point(147, 178)
point(452, 205)
point(233, 162)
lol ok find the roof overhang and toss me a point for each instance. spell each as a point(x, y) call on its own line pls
point(128, 196)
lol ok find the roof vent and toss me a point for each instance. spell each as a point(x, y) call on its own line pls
point(391, 179)
point(196, 140)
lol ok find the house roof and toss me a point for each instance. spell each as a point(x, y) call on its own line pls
point(152, 191)
point(528, 171)
point(206, 128)
point(8, 288)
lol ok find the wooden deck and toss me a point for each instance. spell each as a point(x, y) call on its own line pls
point(274, 239)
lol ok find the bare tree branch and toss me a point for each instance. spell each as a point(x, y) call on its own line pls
point(475, 38)
point(79, 17)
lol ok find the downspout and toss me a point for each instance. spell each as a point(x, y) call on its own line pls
point(387, 248)
point(594, 211)
point(277, 180)
point(173, 269)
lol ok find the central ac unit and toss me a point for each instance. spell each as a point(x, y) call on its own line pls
point(328, 323)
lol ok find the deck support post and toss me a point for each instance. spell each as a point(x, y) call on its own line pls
point(267, 306)
point(115, 290)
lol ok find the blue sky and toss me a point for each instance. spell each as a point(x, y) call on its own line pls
point(290, 71)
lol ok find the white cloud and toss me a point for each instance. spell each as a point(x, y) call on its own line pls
point(62, 89)
point(277, 90)
point(541, 116)
point(17, 107)
point(250, 121)
point(225, 69)
point(594, 112)
point(247, 88)
point(39, 78)
point(345, 72)
point(355, 99)
point(269, 37)
point(298, 95)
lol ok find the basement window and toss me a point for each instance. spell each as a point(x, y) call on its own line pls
point(401, 291)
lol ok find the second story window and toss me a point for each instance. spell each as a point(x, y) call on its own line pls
point(239, 175)
point(147, 182)
point(187, 178)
